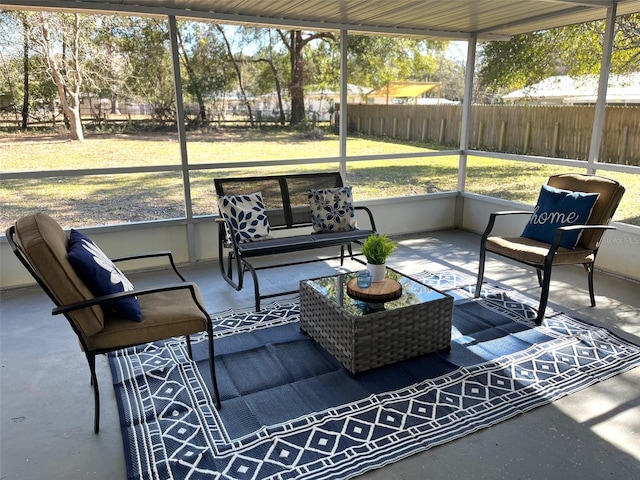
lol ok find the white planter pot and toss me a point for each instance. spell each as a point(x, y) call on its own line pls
point(377, 272)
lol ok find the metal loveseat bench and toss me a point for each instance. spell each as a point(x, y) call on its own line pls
point(286, 203)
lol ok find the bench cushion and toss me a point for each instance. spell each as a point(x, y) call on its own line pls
point(296, 243)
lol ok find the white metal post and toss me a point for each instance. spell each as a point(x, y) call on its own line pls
point(344, 36)
point(601, 102)
point(465, 125)
point(182, 138)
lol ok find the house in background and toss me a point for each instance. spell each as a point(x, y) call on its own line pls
point(566, 90)
point(322, 102)
point(401, 92)
point(319, 104)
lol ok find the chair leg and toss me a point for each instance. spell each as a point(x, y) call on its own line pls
point(544, 295)
point(483, 254)
point(212, 368)
point(589, 268)
point(91, 358)
point(539, 274)
point(189, 351)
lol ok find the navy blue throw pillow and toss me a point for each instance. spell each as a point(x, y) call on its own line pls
point(559, 208)
point(101, 276)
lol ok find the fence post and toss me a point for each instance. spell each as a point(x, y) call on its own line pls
point(409, 128)
point(556, 139)
point(503, 130)
point(527, 137)
point(394, 128)
point(359, 127)
point(623, 145)
point(370, 130)
point(441, 136)
point(381, 126)
point(424, 130)
point(480, 133)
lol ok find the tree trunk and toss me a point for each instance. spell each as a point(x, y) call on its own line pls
point(25, 61)
point(276, 79)
point(115, 104)
point(296, 85)
point(69, 87)
point(193, 79)
point(75, 122)
point(70, 103)
point(236, 66)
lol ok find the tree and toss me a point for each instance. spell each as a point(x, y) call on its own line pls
point(10, 93)
point(145, 46)
point(574, 50)
point(202, 55)
point(295, 41)
point(237, 61)
point(268, 56)
point(376, 61)
point(25, 76)
point(108, 66)
point(58, 37)
point(28, 89)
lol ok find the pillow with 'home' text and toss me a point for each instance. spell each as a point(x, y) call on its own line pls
point(559, 208)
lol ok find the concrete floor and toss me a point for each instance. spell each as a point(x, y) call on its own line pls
point(46, 403)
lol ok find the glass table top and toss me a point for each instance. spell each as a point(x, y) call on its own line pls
point(335, 289)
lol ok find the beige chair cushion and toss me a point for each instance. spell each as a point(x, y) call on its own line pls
point(534, 252)
point(45, 246)
point(164, 315)
point(610, 194)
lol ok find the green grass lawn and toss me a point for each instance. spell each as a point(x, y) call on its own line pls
point(109, 199)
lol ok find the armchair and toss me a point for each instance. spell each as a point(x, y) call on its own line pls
point(168, 310)
point(543, 255)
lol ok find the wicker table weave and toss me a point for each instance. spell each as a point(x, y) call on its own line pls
point(364, 336)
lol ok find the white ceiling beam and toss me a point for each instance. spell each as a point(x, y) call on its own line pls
point(160, 11)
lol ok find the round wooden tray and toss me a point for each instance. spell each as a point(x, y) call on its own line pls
point(379, 292)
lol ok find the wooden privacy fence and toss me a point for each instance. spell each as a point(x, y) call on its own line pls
point(555, 131)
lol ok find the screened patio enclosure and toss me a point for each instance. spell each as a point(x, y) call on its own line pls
point(192, 238)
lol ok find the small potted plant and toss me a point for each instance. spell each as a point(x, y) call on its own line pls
point(376, 249)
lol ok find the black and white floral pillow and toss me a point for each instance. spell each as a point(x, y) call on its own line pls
point(332, 209)
point(246, 213)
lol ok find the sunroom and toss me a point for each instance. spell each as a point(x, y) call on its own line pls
point(442, 225)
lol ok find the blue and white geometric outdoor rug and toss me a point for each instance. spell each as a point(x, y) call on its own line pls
point(289, 411)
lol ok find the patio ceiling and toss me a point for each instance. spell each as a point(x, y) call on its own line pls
point(453, 19)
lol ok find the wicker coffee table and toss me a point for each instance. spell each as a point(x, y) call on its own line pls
point(365, 335)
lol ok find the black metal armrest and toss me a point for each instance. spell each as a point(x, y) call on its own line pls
point(143, 255)
point(167, 254)
point(511, 212)
point(494, 215)
point(132, 293)
point(230, 240)
point(368, 211)
point(561, 231)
